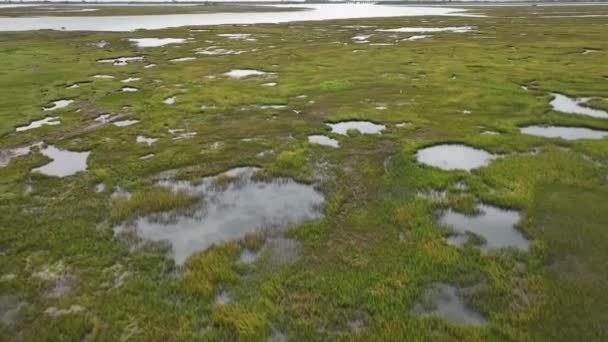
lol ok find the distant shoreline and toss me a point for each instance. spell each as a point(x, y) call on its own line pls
point(265, 2)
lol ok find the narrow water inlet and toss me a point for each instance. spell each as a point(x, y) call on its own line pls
point(565, 104)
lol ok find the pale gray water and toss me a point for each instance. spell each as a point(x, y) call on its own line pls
point(229, 210)
point(64, 163)
point(142, 139)
point(58, 105)
point(241, 73)
point(323, 140)
point(155, 42)
point(454, 157)
point(364, 127)
point(565, 104)
point(314, 12)
point(495, 225)
point(49, 120)
point(567, 133)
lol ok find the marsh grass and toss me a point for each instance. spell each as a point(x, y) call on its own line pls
point(204, 271)
point(379, 245)
point(152, 200)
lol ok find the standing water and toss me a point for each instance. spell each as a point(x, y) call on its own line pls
point(231, 205)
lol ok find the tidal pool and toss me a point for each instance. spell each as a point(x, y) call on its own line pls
point(49, 120)
point(323, 140)
point(567, 133)
point(155, 42)
point(444, 301)
point(231, 205)
point(64, 163)
point(565, 104)
point(495, 225)
point(241, 73)
point(364, 127)
point(313, 12)
point(454, 157)
point(58, 105)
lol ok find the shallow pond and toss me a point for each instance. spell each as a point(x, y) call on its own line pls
point(155, 42)
point(567, 133)
point(231, 205)
point(64, 163)
point(49, 120)
point(58, 105)
point(444, 301)
point(364, 127)
point(151, 22)
point(241, 73)
point(454, 157)
point(565, 104)
point(323, 140)
point(495, 225)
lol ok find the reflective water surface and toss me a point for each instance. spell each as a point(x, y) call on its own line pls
point(231, 205)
